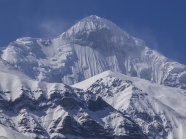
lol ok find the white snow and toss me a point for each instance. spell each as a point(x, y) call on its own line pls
point(171, 102)
point(172, 97)
point(12, 85)
point(7, 133)
point(89, 48)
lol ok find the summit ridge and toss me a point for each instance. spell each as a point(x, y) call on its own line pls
point(91, 46)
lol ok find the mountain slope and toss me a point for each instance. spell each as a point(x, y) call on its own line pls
point(7, 133)
point(111, 105)
point(149, 101)
point(50, 110)
point(92, 46)
point(159, 111)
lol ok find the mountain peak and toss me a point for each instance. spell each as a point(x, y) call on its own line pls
point(99, 33)
point(91, 46)
point(93, 23)
point(93, 17)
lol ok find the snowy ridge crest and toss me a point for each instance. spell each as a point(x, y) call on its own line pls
point(158, 115)
point(60, 111)
point(90, 47)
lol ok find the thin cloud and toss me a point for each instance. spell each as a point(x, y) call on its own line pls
point(42, 27)
point(152, 41)
point(52, 28)
point(144, 33)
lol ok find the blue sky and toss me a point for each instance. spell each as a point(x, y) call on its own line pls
point(160, 23)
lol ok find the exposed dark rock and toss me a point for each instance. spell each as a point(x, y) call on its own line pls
point(98, 104)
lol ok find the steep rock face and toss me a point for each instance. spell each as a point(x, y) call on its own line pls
point(47, 110)
point(92, 46)
point(158, 119)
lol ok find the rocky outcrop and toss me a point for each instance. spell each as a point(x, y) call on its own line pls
point(65, 113)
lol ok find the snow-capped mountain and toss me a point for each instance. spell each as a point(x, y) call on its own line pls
point(127, 90)
point(158, 110)
point(49, 110)
point(108, 105)
point(92, 46)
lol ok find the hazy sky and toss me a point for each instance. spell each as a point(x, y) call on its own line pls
point(160, 23)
